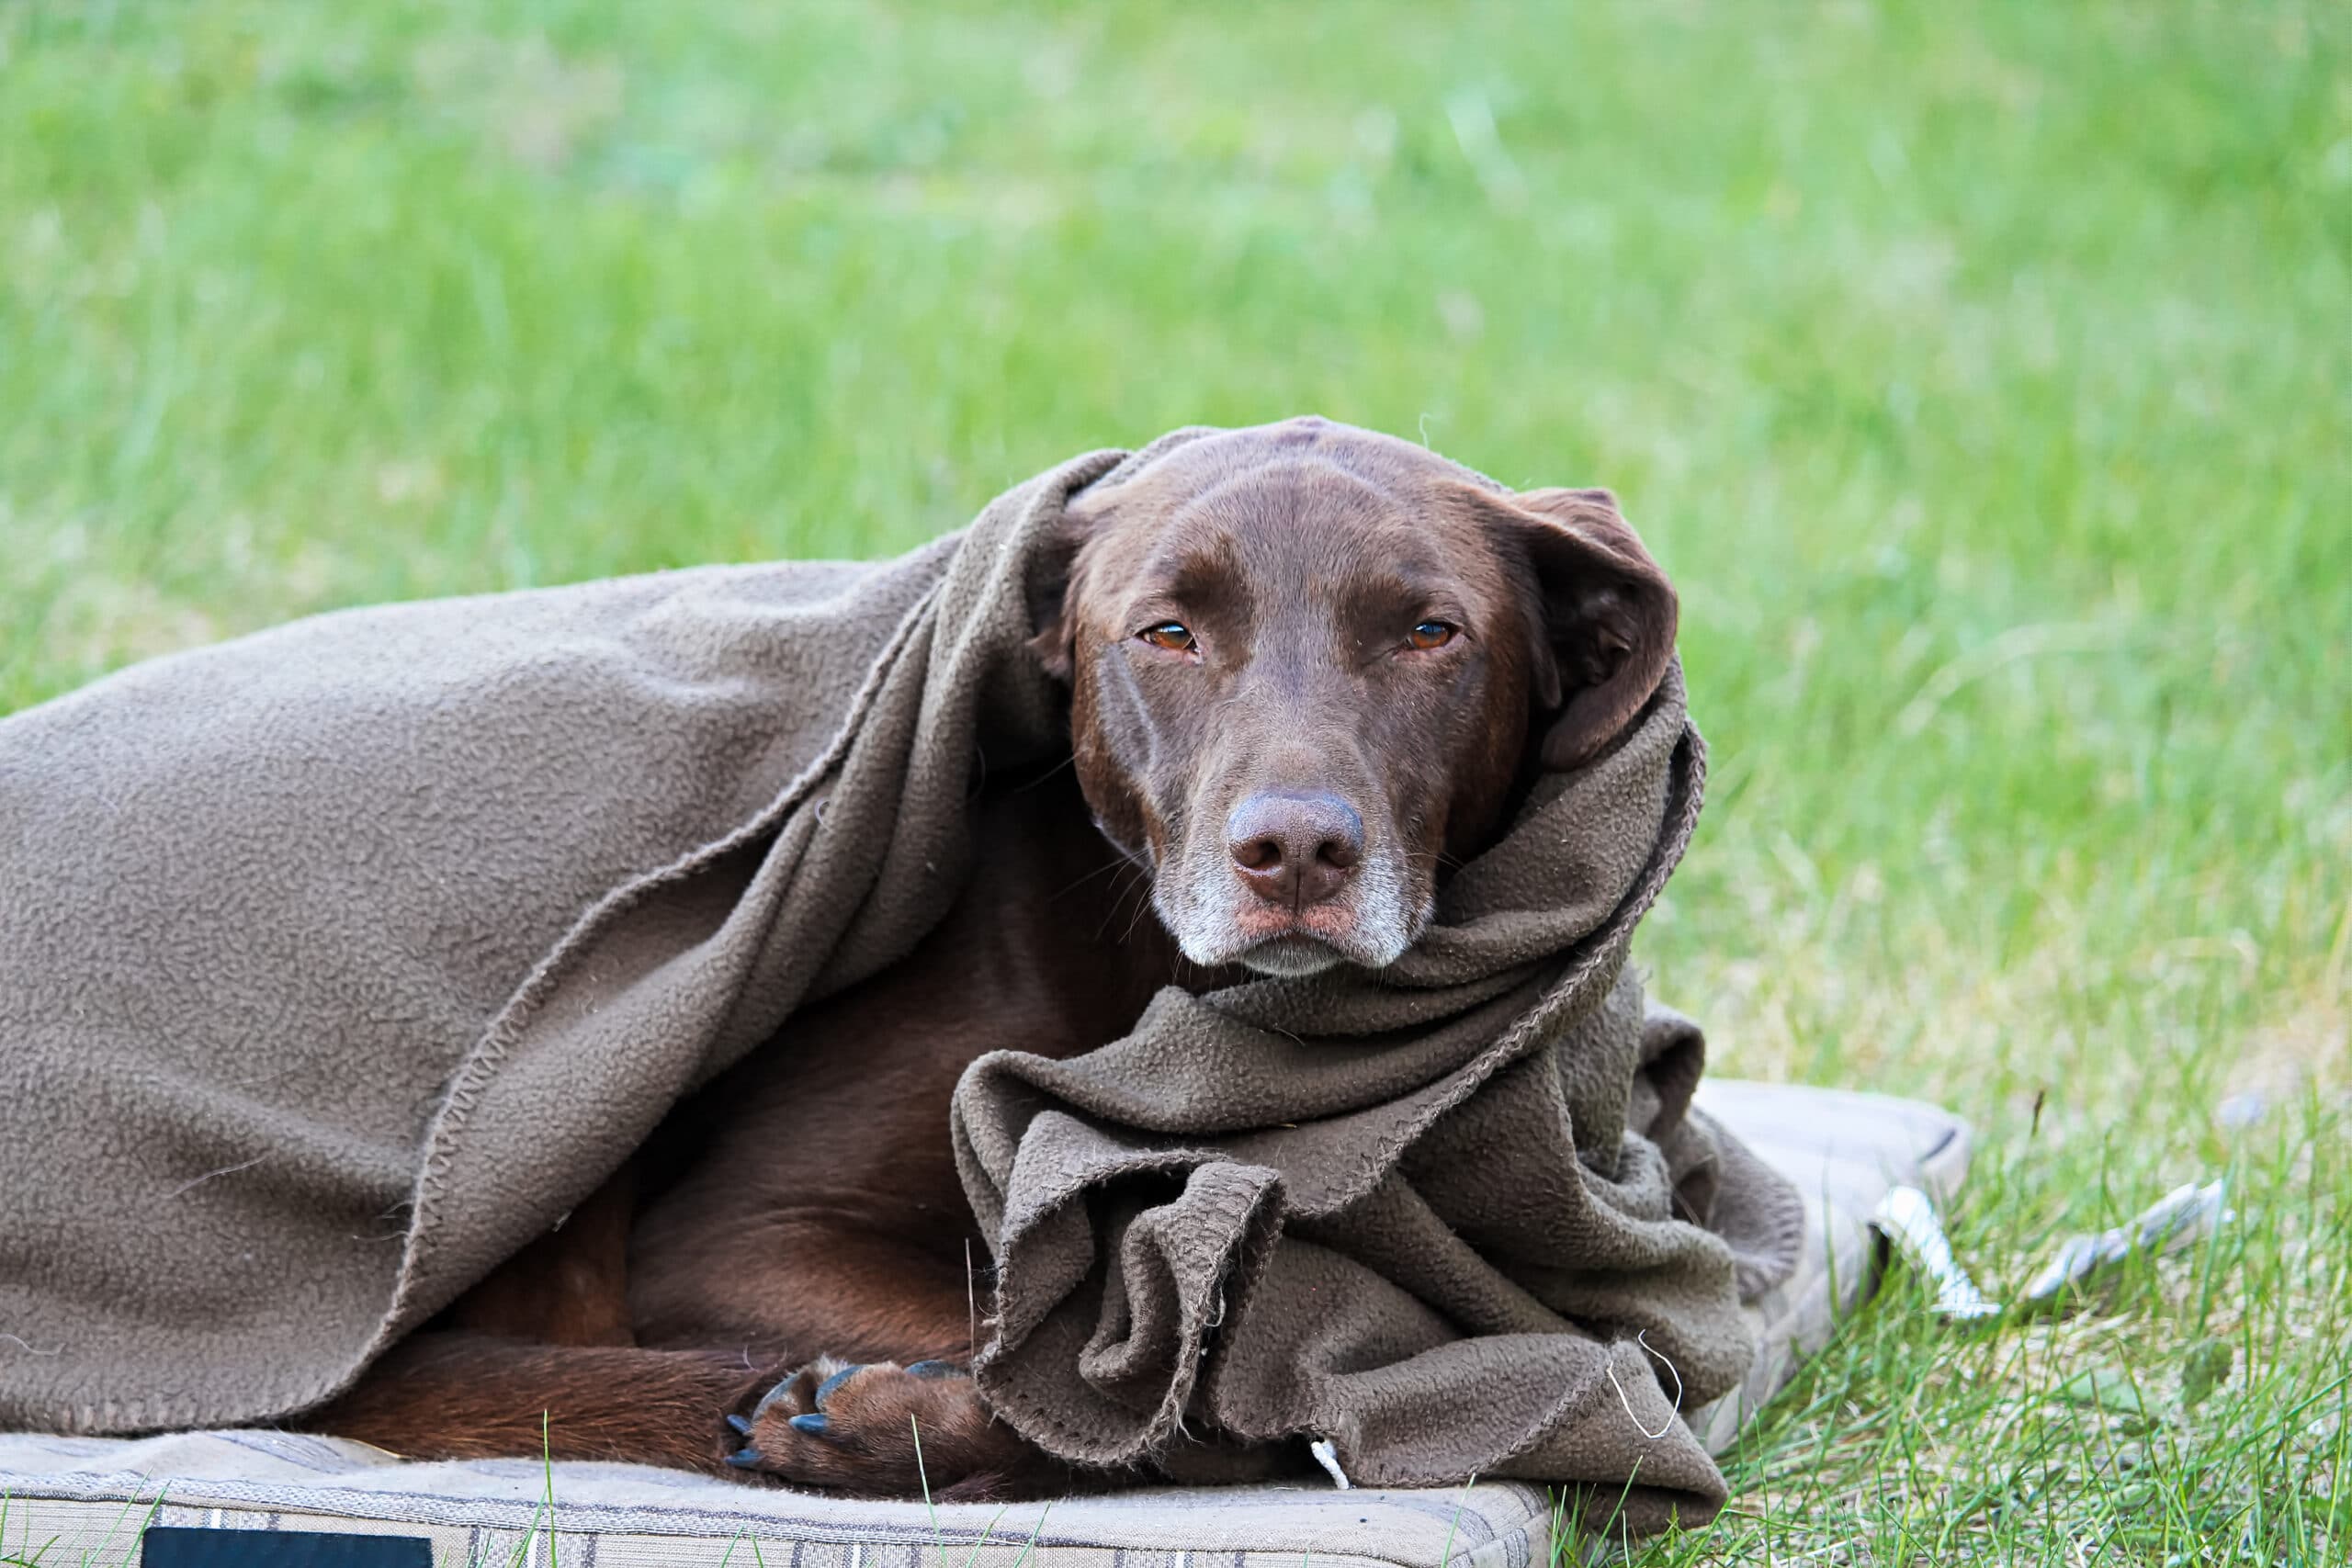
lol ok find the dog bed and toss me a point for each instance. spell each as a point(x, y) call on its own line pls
point(87, 1499)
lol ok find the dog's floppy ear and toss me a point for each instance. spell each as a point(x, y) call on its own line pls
point(1608, 620)
point(1052, 599)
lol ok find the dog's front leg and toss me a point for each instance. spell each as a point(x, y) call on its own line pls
point(889, 1409)
point(448, 1393)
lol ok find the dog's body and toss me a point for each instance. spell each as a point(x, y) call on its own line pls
point(1310, 666)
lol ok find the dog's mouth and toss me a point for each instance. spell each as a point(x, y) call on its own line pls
point(1291, 955)
point(1308, 943)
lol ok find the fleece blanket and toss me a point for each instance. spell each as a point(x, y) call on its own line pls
point(339, 961)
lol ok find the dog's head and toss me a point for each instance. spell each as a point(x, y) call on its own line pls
point(1310, 666)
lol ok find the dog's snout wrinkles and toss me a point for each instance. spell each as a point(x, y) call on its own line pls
point(1295, 850)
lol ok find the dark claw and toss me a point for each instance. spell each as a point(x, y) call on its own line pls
point(744, 1459)
point(812, 1423)
point(825, 1388)
point(934, 1370)
point(780, 1391)
point(743, 1425)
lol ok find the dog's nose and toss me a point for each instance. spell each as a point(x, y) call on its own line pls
point(1295, 849)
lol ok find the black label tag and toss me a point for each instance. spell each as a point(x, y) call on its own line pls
point(170, 1546)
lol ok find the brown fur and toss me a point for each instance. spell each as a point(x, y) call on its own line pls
point(802, 1216)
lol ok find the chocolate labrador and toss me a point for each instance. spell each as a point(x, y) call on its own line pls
point(1310, 667)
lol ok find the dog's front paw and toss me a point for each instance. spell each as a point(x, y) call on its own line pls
point(882, 1429)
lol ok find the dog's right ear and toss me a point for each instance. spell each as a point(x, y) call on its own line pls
point(1053, 597)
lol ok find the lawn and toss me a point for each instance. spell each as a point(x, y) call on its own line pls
point(1982, 373)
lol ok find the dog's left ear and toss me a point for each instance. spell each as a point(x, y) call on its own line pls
point(1609, 618)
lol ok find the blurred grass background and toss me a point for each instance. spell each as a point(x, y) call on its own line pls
point(1981, 372)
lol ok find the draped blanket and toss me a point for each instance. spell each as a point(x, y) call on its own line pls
point(339, 961)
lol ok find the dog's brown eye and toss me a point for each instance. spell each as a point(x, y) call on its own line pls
point(1428, 635)
point(1173, 636)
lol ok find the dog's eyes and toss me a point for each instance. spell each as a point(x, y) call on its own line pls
point(1429, 634)
point(1173, 636)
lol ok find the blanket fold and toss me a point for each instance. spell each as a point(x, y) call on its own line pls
point(338, 961)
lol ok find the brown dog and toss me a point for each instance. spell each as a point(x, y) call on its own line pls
point(1310, 667)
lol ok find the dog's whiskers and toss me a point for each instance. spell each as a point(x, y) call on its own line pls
point(1104, 869)
point(1046, 776)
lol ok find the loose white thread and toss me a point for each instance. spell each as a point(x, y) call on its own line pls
point(225, 1170)
point(1641, 1339)
point(1329, 1458)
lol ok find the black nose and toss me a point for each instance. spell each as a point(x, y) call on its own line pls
point(1295, 850)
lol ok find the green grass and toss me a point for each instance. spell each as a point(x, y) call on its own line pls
point(1982, 373)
